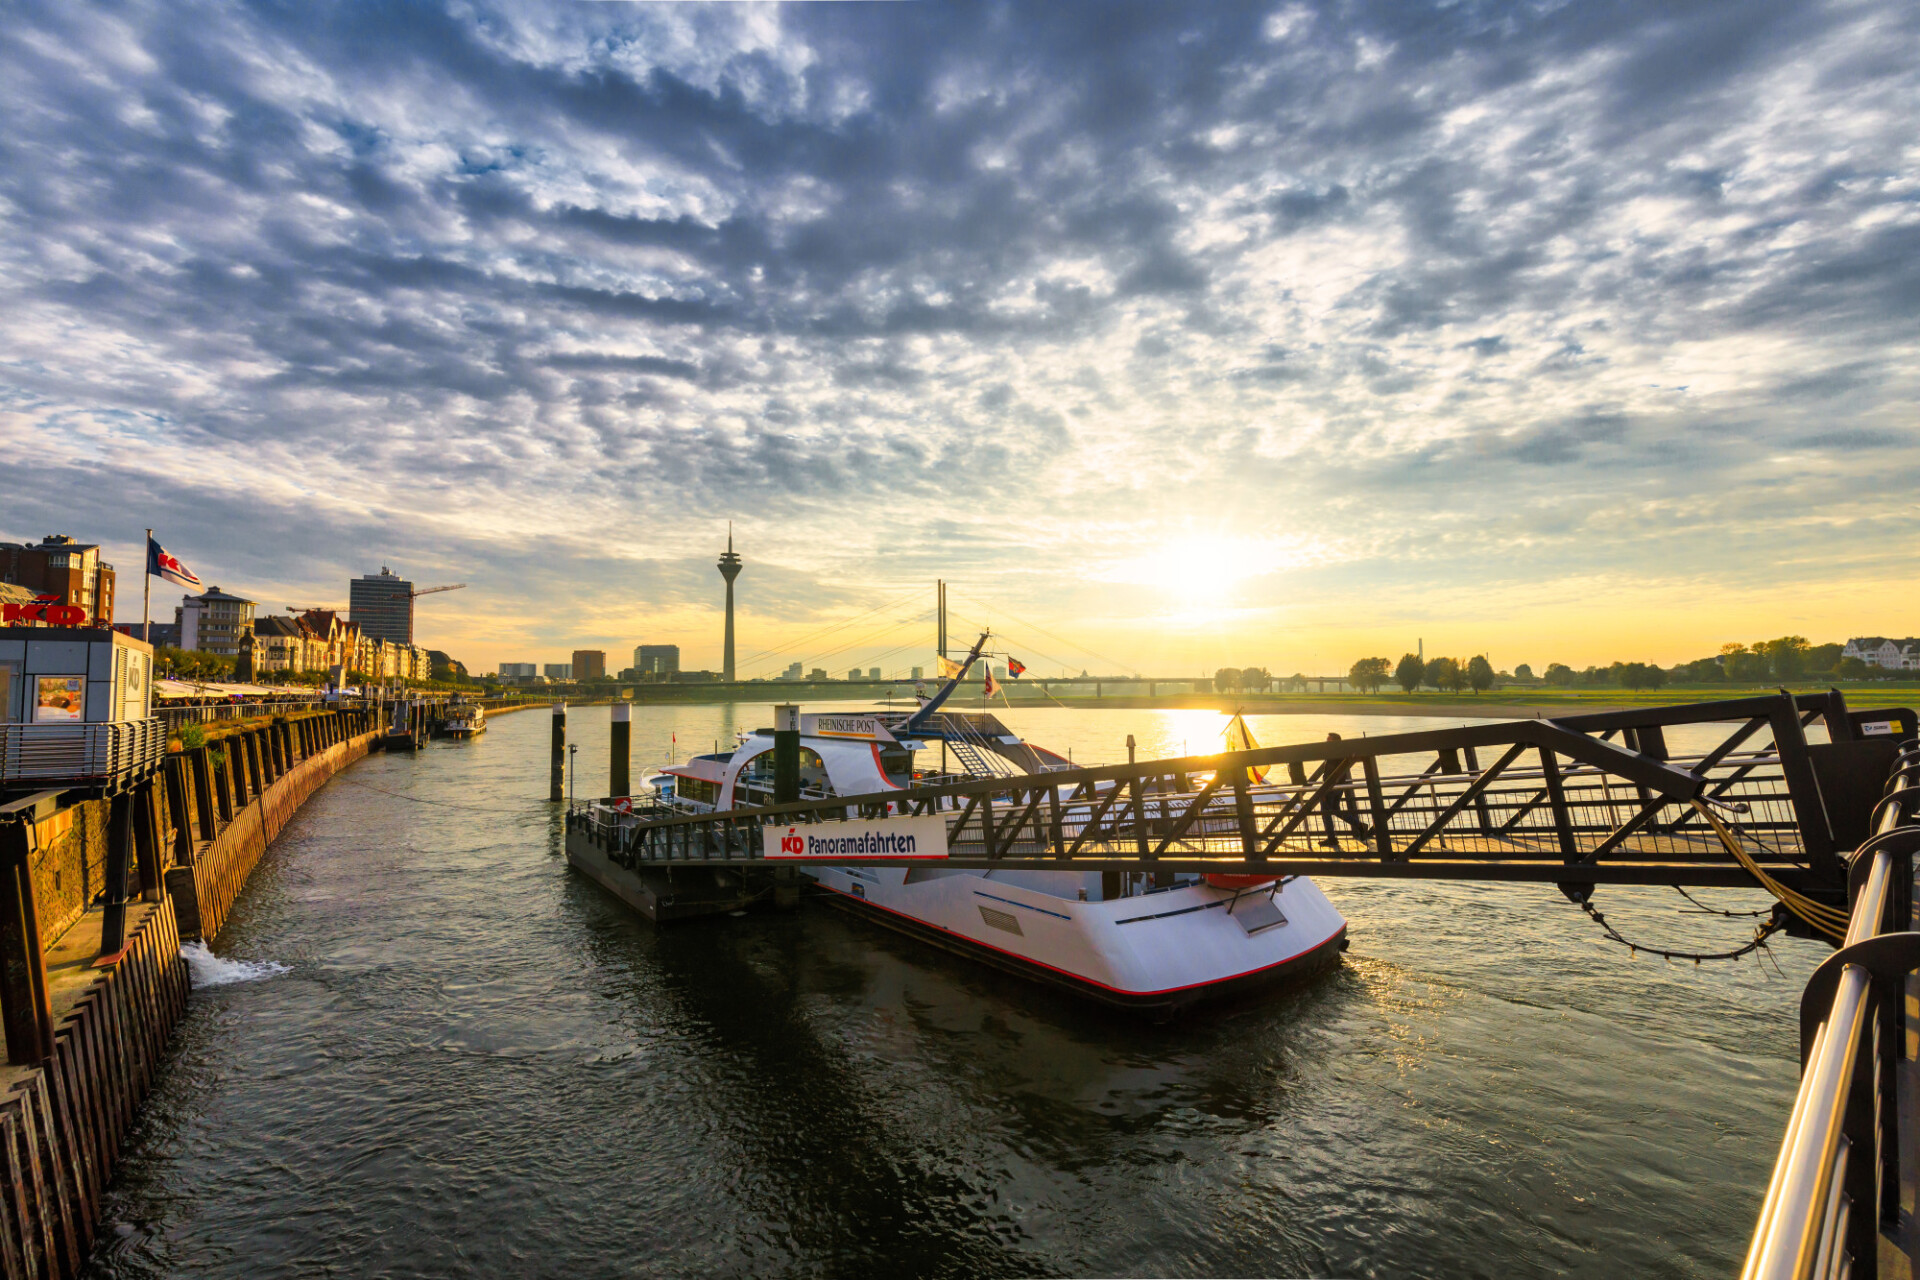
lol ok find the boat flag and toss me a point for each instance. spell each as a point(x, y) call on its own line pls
point(1240, 738)
point(948, 668)
point(992, 688)
point(1015, 668)
point(160, 564)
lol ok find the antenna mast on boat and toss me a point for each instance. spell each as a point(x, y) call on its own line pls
point(940, 636)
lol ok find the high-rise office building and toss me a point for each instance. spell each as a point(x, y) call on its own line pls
point(518, 671)
point(558, 671)
point(729, 567)
point(381, 605)
point(656, 659)
point(589, 664)
point(792, 672)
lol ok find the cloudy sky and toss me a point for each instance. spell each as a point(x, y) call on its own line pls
point(1172, 335)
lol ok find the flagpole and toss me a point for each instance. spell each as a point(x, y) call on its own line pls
point(146, 583)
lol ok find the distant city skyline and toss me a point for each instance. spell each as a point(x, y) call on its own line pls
point(1180, 336)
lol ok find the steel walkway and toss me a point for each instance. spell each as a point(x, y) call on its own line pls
point(1578, 801)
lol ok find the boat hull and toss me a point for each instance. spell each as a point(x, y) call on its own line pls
point(1157, 954)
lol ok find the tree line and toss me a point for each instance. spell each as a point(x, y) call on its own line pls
point(1777, 661)
point(1411, 673)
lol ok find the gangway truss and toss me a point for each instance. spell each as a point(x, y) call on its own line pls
point(1576, 801)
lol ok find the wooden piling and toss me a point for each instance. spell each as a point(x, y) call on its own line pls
point(557, 773)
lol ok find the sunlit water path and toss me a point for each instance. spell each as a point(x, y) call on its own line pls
point(477, 1063)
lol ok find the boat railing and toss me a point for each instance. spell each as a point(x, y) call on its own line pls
point(1836, 1188)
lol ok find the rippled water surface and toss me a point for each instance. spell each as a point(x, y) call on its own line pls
point(477, 1063)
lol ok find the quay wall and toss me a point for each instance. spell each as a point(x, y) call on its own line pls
point(108, 983)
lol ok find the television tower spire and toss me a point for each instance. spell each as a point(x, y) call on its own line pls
point(729, 566)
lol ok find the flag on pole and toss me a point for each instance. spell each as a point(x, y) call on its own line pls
point(162, 565)
point(992, 688)
point(1015, 668)
point(949, 668)
point(1240, 738)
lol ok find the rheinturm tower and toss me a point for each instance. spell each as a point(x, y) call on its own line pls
point(729, 569)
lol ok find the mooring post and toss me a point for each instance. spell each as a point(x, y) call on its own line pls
point(113, 921)
point(557, 774)
point(618, 783)
point(786, 755)
point(786, 790)
point(146, 841)
point(23, 968)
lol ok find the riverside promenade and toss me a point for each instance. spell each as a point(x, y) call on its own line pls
point(102, 884)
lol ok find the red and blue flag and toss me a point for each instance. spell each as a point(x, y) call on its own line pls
point(161, 564)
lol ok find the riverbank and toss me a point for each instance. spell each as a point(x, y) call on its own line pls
point(90, 1023)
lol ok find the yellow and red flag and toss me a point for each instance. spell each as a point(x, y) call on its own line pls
point(1240, 738)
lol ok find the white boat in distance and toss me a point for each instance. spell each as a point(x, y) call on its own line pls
point(1140, 940)
point(464, 720)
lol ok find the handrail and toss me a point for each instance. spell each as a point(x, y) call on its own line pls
point(1812, 1222)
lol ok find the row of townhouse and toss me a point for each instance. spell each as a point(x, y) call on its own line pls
point(321, 639)
point(1879, 651)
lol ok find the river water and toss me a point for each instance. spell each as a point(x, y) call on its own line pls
point(423, 1047)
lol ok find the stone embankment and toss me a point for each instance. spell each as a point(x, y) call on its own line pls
point(97, 892)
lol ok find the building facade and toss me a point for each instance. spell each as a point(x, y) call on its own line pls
point(588, 664)
point(381, 605)
point(215, 622)
point(59, 566)
point(518, 671)
point(319, 640)
point(656, 659)
point(1889, 655)
point(558, 671)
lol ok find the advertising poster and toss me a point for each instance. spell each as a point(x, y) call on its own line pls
point(62, 698)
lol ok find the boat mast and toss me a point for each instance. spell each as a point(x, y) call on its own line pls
point(920, 717)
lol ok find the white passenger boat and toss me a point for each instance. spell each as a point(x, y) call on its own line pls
point(464, 720)
point(1133, 939)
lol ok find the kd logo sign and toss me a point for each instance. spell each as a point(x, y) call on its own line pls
point(793, 842)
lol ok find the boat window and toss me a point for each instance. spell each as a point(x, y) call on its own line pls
point(813, 773)
point(698, 789)
point(897, 764)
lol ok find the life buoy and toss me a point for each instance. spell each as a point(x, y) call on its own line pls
point(1239, 882)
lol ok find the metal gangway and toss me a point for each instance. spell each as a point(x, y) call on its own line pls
point(1576, 801)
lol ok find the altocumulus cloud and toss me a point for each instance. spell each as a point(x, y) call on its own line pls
point(536, 296)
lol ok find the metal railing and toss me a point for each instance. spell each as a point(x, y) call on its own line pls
point(1836, 1185)
point(79, 752)
point(213, 712)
